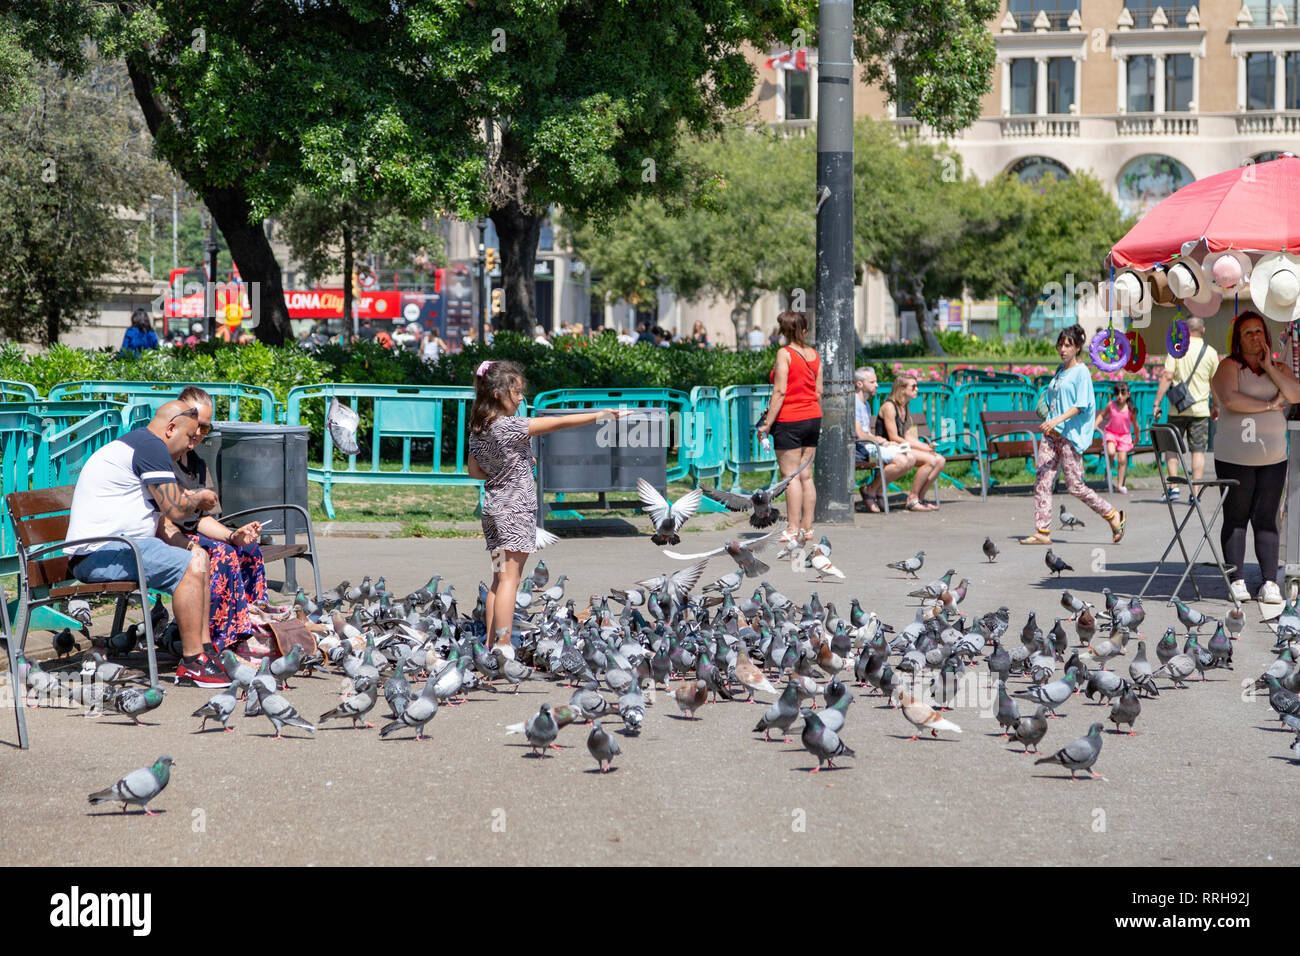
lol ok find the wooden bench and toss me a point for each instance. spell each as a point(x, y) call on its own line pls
point(922, 426)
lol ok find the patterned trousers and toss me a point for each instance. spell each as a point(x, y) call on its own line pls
point(238, 579)
point(1054, 452)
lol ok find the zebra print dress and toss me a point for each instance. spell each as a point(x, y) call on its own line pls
point(509, 493)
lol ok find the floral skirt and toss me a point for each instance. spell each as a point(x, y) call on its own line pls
point(238, 579)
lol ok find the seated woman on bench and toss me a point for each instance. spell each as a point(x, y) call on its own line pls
point(892, 424)
point(235, 557)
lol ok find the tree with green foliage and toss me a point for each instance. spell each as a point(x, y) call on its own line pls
point(72, 163)
point(1052, 229)
point(754, 234)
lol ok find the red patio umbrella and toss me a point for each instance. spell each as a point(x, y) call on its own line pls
point(1254, 208)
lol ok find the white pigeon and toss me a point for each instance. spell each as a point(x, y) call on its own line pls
point(668, 519)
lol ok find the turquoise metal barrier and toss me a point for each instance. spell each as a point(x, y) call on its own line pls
point(1144, 400)
point(742, 406)
point(975, 397)
point(11, 391)
point(704, 435)
point(231, 397)
point(965, 376)
point(676, 403)
point(404, 413)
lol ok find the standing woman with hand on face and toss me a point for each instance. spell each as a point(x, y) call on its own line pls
point(1067, 433)
point(1250, 446)
point(500, 457)
point(794, 420)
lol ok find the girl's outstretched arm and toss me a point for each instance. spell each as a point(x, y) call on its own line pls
point(553, 423)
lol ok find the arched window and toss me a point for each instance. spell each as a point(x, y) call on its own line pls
point(1146, 180)
point(1032, 169)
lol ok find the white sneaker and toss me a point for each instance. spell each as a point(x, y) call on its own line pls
point(1239, 592)
point(1123, 490)
point(1270, 593)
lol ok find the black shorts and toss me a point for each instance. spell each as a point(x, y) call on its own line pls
point(788, 435)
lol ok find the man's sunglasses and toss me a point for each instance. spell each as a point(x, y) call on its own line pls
point(194, 414)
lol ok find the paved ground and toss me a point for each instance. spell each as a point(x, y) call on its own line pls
point(693, 792)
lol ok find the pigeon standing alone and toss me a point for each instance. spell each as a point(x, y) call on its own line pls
point(1055, 564)
point(1068, 520)
point(602, 747)
point(990, 550)
point(1079, 754)
point(909, 565)
point(138, 786)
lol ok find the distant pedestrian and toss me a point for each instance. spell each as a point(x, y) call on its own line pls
point(699, 334)
point(140, 334)
point(1118, 421)
point(432, 347)
point(643, 333)
point(539, 335)
point(755, 339)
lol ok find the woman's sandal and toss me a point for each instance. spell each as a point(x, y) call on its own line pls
point(916, 504)
point(788, 537)
point(1037, 538)
point(1117, 531)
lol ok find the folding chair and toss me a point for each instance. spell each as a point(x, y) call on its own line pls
point(16, 690)
point(1168, 440)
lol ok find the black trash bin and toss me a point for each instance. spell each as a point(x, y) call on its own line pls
point(256, 464)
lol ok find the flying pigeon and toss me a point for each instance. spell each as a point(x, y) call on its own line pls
point(1079, 754)
point(759, 501)
point(138, 786)
point(742, 552)
point(343, 422)
point(668, 519)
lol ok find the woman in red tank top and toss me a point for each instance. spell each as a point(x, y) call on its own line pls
point(794, 419)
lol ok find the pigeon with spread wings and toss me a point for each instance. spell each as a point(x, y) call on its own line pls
point(759, 501)
point(744, 553)
point(668, 519)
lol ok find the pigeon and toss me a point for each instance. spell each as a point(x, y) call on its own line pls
point(822, 565)
point(934, 588)
point(690, 696)
point(133, 702)
point(111, 672)
point(1008, 712)
point(541, 730)
point(282, 668)
point(1053, 694)
point(356, 706)
point(924, 717)
point(602, 747)
point(514, 672)
point(751, 676)
point(1079, 754)
point(397, 693)
point(1178, 668)
point(1234, 621)
point(242, 674)
point(1055, 564)
point(343, 422)
point(1282, 701)
point(1085, 626)
point(79, 610)
point(1189, 617)
point(990, 550)
point(1068, 520)
point(416, 713)
point(668, 519)
point(1073, 604)
point(759, 501)
point(1030, 730)
point(834, 716)
point(65, 643)
point(742, 552)
point(822, 742)
point(1126, 710)
point(781, 714)
point(909, 565)
point(279, 711)
point(138, 786)
point(219, 707)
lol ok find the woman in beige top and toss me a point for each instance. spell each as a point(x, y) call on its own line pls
point(1250, 446)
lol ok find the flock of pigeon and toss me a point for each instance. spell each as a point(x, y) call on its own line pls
point(617, 653)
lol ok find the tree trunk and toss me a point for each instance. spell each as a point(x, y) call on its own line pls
point(53, 317)
point(1026, 310)
point(247, 240)
point(740, 319)
point(347, 283)
point(923, 318)
point(518, 232)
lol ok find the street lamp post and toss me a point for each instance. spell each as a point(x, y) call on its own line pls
point(834, 476)
point(483, 284)
point(210, 293)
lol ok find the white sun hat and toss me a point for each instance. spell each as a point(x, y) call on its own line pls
point(1187, 280)
point(1275, 287)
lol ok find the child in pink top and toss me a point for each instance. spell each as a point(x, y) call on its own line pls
point(1118, 418)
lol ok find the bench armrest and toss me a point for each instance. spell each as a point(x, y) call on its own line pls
point(140, 577)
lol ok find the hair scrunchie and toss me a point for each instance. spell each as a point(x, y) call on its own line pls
point(482, 368)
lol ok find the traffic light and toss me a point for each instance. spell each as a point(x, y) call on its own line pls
point(498, 300)
point(491, 260)
point(356, 286)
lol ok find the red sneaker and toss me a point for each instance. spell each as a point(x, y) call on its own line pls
point(203, 673)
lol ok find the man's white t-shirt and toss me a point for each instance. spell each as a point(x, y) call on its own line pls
point(756, 339)
point(112, 495)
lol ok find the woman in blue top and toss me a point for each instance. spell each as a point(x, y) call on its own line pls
point(1067, 432)
point(140, 335)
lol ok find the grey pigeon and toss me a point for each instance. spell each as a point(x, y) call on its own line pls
point(356, 706)
point(1055, 564)
point(239, 672)
point(1079, 754)
point(285, 667)
point(417, 713)
point(1053, 694)
point(1068, 520)
point(138, 786)
point(1008, 711)
point(397, 693)
point(1178, 668)
point(990, 550)
point(218, 707)
point(822, 742)
point(279, 711)
point(668, 519)
point(602, 747)
point(343, 422)
point(631, 707)
point(541, 730)
point(834, 715)
point(1126, 710)
point(1030, 730)
point(759, 501)
point(781, 714)
point(909, 565)
point(133, 702)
